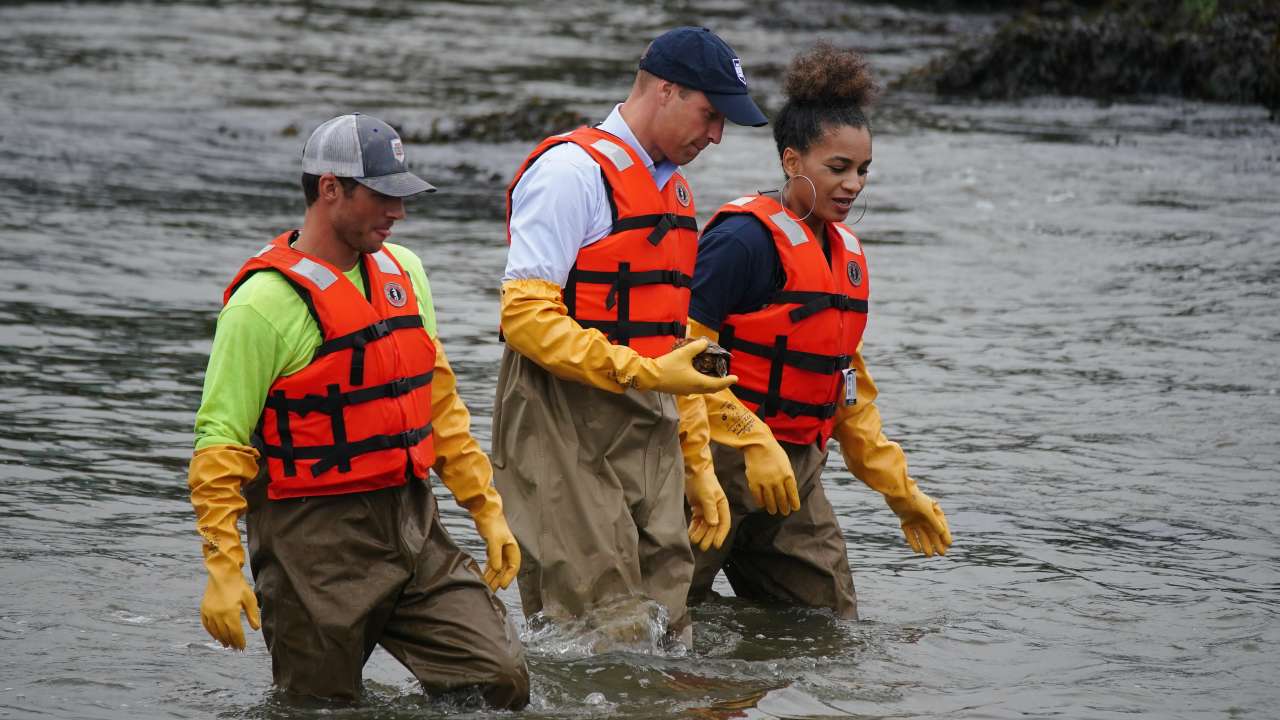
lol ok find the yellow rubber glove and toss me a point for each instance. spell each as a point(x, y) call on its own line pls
point(881, 464)
point(215, 477)
point(770, 477)
point(536, 324)
point(466, 471)
point(709, 506)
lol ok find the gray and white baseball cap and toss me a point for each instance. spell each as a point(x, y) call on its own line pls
point(366, 149)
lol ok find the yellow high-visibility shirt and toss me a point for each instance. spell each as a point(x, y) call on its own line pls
point(264, 332)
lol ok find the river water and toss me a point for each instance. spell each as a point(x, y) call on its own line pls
point(1075, 325)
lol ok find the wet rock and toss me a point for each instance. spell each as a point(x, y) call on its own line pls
point(1218, 50)
point(534, 120)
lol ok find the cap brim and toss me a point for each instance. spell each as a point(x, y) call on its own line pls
point(398, 185)
point(740, 109)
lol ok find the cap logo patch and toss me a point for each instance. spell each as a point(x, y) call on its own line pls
point(855, 273)
point(397, 149)
point(737, 67)
point(682, 193)
point(395, 294)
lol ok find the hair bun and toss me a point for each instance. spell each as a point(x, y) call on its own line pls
point(828, 75)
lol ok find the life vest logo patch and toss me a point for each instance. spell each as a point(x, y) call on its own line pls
point(855, 273)
point(395, 294)
point(737, 67)
point(397, 149)
point(682, 193)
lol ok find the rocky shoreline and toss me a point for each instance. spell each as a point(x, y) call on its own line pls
point(1216, 50)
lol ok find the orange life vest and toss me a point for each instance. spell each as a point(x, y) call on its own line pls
point(791, 356)
point(633, 284)
point(358, 417)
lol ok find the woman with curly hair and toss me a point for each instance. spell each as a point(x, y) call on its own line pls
point(782, 283)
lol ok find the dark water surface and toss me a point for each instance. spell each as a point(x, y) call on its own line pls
point(1075, 328)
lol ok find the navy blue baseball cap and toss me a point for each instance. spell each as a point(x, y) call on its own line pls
point(363, 148)
point(697, 58)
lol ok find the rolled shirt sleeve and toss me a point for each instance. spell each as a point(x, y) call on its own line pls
point(266, 332)
point(558, 207)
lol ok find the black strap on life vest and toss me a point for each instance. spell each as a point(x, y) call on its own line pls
point(620, 283)
point(358, 339)
point(330, 456)
point(813, 362)
point(635, 329)
point(790, 407)
point(331, 404)
point(662, 223)
point(772, 402)
point(286, 439)
point(812, 303)
point(632, 279)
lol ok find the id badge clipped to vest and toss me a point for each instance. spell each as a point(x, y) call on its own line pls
point(850, 386)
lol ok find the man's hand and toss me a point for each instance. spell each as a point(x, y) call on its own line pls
point(225, 596)
point(923, 523)
point(770, 478)
point(502, 550)
point(674, 373)
point(710, 508)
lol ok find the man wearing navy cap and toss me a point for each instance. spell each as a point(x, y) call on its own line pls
point(327, 375)
point(587, 447)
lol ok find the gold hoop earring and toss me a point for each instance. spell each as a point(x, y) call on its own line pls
point(782, 193)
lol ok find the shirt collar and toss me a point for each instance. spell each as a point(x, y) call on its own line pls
point(617, 126)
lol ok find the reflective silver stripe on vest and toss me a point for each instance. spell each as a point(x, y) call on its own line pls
point(265, 249)
point(742, 201)
point(850, 241)
point(385, 263)
point(322, 276)
point(790, 228)
point(616, 155)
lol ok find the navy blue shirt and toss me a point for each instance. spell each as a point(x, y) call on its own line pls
point(738, 270)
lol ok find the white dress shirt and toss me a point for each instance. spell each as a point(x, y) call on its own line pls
point(560, 206)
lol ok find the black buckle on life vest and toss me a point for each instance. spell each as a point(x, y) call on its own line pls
point(635, 329)
point(662, 223)
point(632, 279)
point(620, 283)
point(772, 402)
point(647, 277)
point(813, 362)
point(328, 457)
point(355, 341)
point(769, 405)
point(812, 303)
point(398, 387)
point(338, 454)
point(333, 403)
point(664, 226)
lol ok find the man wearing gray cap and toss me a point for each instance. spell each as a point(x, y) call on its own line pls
point(328, 399)
point(587, 450)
